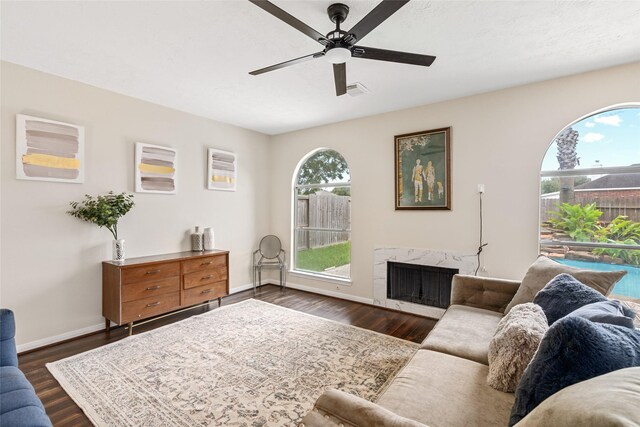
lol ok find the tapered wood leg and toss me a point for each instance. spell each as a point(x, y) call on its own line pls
point(219, 302)
point(130, 328)
point(107, 325)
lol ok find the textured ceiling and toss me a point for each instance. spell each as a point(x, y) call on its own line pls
point(195, 56)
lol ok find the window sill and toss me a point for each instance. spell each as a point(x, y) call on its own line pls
point(322, 277)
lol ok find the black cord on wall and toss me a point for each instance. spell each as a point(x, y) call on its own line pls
point(481, 245)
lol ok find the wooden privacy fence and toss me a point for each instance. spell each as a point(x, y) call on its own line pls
point(611, 207)
point(323, 210)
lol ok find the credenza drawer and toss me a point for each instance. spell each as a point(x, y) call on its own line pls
point(139, 290)
point(204, 263)
point(204, 277)
point(150, 272)
point(205, 293)
point(148, 307)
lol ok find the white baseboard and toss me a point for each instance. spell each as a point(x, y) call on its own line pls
point(330, 293)
point(57, 338)
point(243, 288)
point(94, 328)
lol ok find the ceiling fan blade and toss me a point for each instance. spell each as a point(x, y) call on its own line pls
point(291, 20)
point(392, 56)
point(340, 76)
point(376, 17)
point(287, 63)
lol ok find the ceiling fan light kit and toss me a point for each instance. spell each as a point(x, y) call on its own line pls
point(338, 55)
point(340, 46)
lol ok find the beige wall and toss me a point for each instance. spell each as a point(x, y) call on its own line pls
point(50, 262)
point(498, 139)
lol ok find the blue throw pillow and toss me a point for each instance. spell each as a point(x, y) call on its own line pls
point(574, 350)
point(611, 312)
point(564, 294)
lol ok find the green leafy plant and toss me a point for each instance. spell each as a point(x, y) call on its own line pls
point(104, 211)
point(621, 229)
point(628, 256)
point(579, 222)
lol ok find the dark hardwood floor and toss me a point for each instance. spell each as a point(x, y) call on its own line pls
point(64, 412)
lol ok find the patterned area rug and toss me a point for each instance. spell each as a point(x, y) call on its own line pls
point(247, 364)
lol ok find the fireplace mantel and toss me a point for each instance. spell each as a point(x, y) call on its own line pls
point(465, 263)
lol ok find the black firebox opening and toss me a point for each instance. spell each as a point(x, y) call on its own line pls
point(420, 284)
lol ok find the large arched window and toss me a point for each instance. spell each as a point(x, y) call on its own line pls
point(322, 215)
point(590, 196)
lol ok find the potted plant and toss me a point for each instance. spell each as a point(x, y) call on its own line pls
point(105, 211)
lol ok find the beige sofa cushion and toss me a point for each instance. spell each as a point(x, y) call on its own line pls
point(545, 269)
point(464, 332)
point(610, 400)
point(441, 390)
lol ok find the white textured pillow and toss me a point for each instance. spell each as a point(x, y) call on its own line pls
point(513, 345)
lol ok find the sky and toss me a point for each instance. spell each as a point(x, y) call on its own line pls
point(612, 138)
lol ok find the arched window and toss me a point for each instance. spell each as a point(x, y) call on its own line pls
point(322, 215)
point(590, 196)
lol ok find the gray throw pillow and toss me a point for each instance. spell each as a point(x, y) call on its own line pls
point(564, 294)
point(574, 350)
point(544, 269)
point(612, 312)
point(514, 343)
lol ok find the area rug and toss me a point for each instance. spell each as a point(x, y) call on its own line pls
point(247, 364)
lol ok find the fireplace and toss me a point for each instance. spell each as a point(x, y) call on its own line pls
point(420, 284)
point(456, 261)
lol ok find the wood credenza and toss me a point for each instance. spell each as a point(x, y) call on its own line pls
point(139, 288)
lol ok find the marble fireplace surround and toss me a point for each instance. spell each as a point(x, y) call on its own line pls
point(465, 263)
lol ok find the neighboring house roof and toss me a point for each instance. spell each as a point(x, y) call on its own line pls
point(623, 180)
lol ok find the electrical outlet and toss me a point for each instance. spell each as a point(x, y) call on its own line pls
point(481, 188)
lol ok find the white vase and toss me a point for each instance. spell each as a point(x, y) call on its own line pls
point(209, 243)
point(118, 250)
point(196, 240)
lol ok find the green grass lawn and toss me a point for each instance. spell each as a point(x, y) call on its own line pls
point(320, 259)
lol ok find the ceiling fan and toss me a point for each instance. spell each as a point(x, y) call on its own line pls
point(339, 45)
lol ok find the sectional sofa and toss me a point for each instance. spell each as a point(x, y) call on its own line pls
point(445, 383)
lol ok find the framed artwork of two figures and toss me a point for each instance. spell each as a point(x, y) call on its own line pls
point(423, 170)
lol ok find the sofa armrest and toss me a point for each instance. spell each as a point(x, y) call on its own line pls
point(8, 354)
point(337, 408)
point(483, 292)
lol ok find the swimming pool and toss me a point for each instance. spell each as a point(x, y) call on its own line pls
point(628, 286)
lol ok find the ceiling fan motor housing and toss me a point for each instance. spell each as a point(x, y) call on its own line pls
point(338, 13)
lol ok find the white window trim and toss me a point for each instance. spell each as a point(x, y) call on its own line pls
point(322, 277)
point(346, 281)
point(611, 170)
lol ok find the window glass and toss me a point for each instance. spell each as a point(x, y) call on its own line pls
point(590, 197)
point(322, 215)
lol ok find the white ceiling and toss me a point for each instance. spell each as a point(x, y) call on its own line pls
point(195, 56)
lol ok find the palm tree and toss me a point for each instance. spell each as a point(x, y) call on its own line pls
point(568, 158)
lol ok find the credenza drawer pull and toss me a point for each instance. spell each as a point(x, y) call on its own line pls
point(207, 277)
point(207, 263)
point(153, 288)
point(153, 272)
point(206, 291)
point(153, 304)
